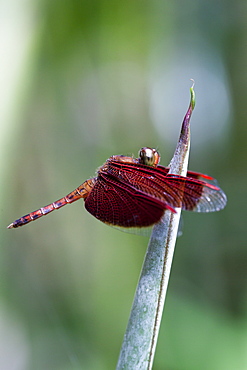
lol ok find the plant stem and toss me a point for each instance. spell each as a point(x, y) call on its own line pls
point(141, 335)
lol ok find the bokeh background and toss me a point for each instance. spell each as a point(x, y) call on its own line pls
point(81, 81)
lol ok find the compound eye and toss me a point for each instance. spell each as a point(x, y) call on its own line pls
point(149, 157)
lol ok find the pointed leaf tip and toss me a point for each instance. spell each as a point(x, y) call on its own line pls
point(192, 95)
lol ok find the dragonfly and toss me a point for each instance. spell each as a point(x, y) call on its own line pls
point(133, 192)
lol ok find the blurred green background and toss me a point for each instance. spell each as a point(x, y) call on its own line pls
point(81, 81)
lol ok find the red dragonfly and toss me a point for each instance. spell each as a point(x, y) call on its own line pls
point(135, 192)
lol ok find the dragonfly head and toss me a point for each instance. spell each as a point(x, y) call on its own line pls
point(149, 157)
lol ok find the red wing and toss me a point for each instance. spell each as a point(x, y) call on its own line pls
point(198, 196)
point(176, 191)
point(118, 204)
point(198, 175)
point(193, 175)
